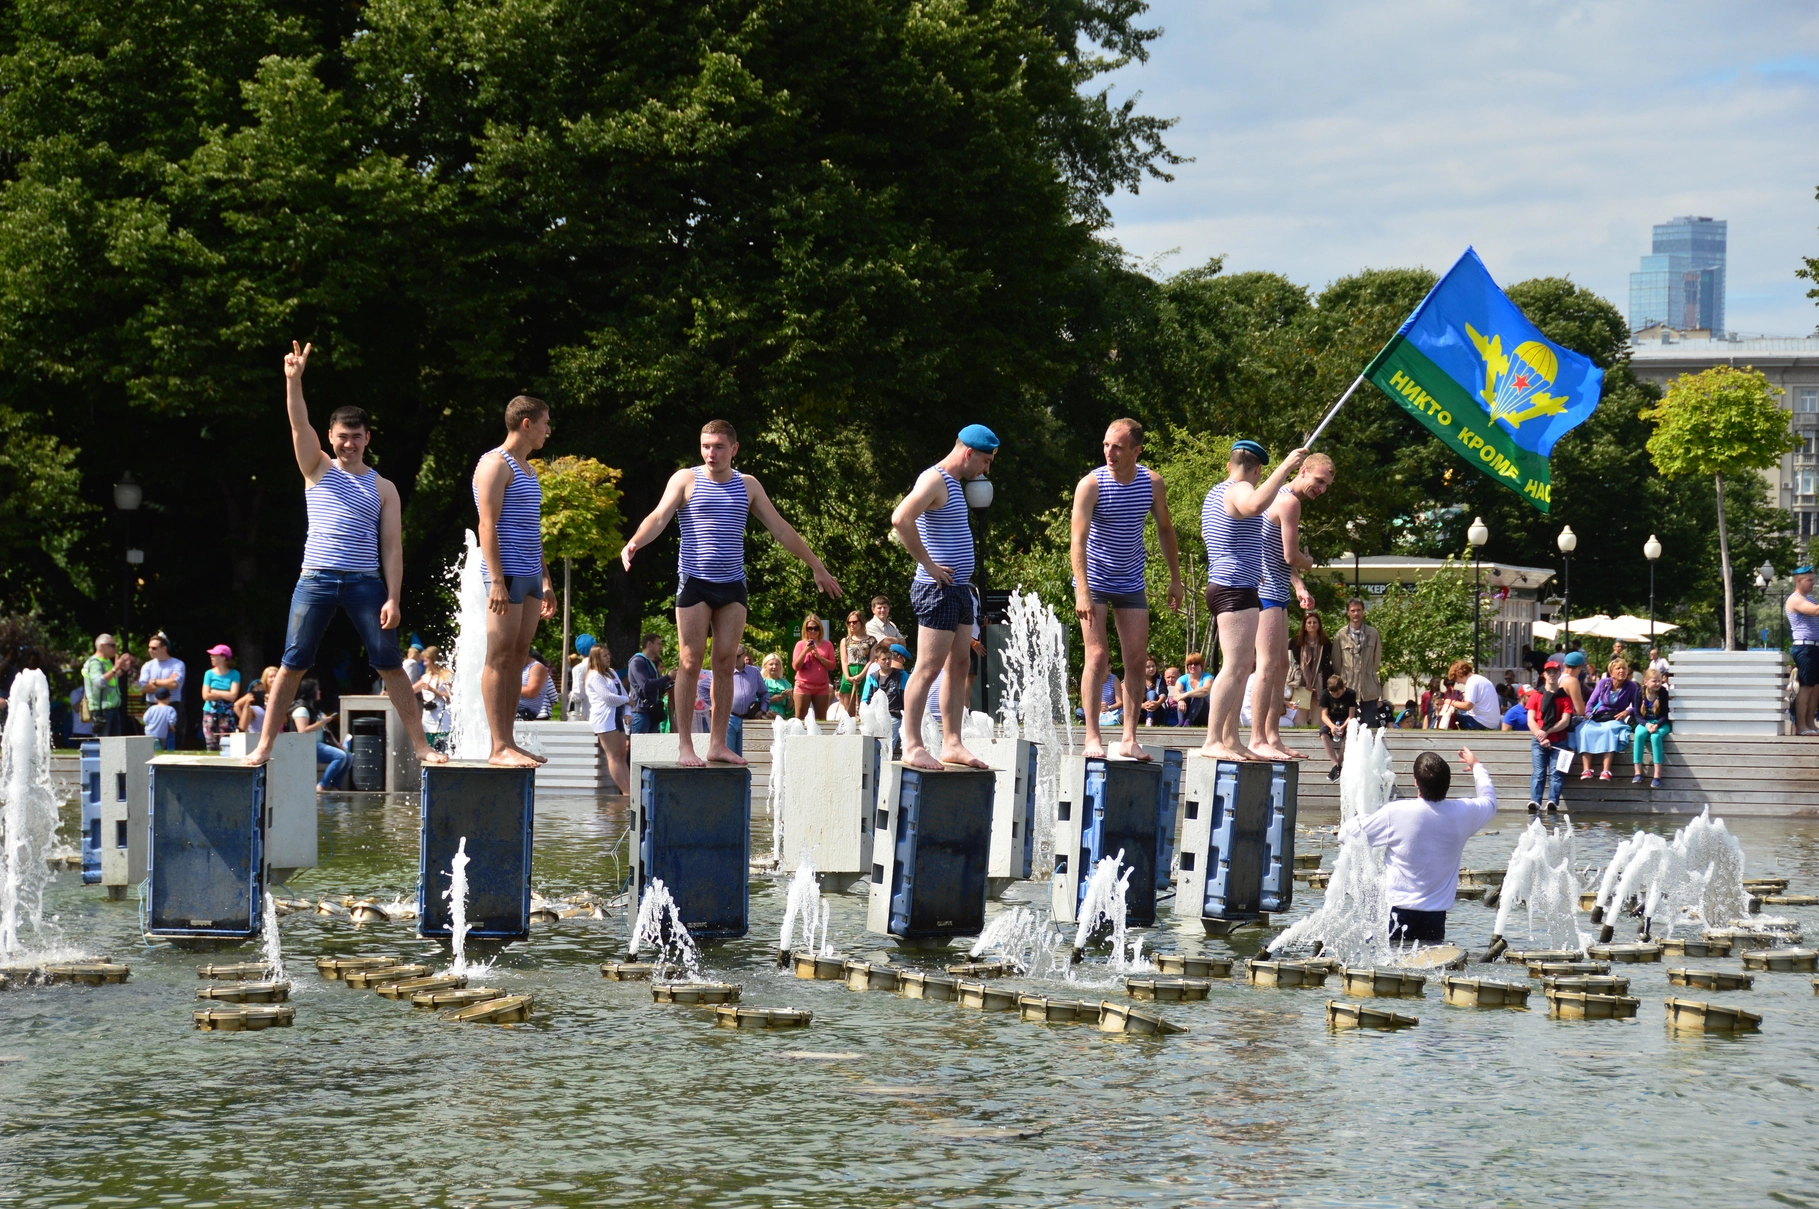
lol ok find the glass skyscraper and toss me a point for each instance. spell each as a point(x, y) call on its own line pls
point(1682, 283)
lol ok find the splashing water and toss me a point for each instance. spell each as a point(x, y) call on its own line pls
point(1022, 938)
point(778, 780)
point(1353, 922)
point(1103, 906)
point(875, 717)
point(1696, 877)
point(456, 894)
point(274, 952)
point(659, 926)
point(843, 722)
point(1034, 695)
point(799, 913)
point(469, 736)
point(1541, 878)
point(28, 811)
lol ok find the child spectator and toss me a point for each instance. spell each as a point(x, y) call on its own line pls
point(1652, 725)
point(161, 720)
point(1338, 705)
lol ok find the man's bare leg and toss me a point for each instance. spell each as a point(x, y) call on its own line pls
point(729, 629)
point(691, 638)
point(410, 712)
point(1804, 702)
point(1134, 645)
point(1272, 675)
point(1096, 666)
point(932, 650)
point(278, 711)
point(954, 688)
point(1238, 643)
point(501, 677)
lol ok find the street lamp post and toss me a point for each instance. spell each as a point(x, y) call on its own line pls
point(1651, 550)
point(1765, 579)
point(128, 495)
point(979, 493)
point(1478, 534)
point(1568, 541)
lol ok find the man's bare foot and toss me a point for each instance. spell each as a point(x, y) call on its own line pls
point(686, 756)
point(720, 753)
point(956, 753)
point(1292, 753)
point(1235, 751)
point(429, 755)
point(259, 755)
point(1130, 749)
point(511, 757)
point(1093, 748)
point(530, 755)
point(918, 757)
point(1271, 751)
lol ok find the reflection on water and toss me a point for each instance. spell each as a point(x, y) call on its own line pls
point(108, 1095)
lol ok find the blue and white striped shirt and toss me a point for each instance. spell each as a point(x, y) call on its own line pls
point(1802, 627)
point(343, 521)
point(712, 525)
point(1114, 538)
point(946, 535)
point(1276, 585)
point(1234, 546)
point(520, 520)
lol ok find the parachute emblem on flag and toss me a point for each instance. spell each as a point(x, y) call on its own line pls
point(1516, 384)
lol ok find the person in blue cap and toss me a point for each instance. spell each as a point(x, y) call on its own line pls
point(1232, 524)
point(931, 522)
point(1111, 507)
point(1803, 631)
point(712, 504)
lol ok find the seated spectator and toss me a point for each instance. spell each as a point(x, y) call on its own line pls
point(1515, 717)
point(536, 691)
point(1409, 716)
point(1171, 710)
point(1154, 709)
point(1610, 712)
point(1652, 725)
point(1193, 690)
point(1478, 708)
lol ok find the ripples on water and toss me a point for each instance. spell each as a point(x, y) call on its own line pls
point(108, 1096)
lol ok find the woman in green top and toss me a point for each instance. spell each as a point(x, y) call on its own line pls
point(855, 653)
point(220, 686)
point(776, 688)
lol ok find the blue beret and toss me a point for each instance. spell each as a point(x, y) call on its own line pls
point(898, 649)
point(1803, 569)
point(1253, 448)
point(584, 643)
point(1575, 659)
point(979, 437)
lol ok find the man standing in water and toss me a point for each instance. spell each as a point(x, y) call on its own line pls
point(931, 522)
point(1111, 506)
point(1283, 562)
point(519, 593)
point(1231, 521)
point(353, 560)
point(711, 503)
point(1803, 632)
point(1424, 838)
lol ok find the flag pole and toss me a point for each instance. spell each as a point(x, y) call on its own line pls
point(1356, 383)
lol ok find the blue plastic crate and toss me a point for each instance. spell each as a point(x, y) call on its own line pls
point(1023, 862)
point(1252, 854)
point(1174, 762)
point(493, 809)
point(695, 836)
point(91, 814)
point(207, 858)
point(1122, 812)
point(943, 852)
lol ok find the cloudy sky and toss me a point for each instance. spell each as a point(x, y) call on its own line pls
point(1329, 137)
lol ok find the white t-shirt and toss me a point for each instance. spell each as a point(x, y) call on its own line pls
point(163, 669)
point(1481, 694)
point(1424, 842)
point(883, 629)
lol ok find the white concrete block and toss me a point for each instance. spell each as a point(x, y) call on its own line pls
point(1013, 805)
point(830, 802)
point(125, 801)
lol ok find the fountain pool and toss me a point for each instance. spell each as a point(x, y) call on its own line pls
point(607, 1098)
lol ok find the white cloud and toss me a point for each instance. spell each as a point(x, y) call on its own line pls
point(1333, 137)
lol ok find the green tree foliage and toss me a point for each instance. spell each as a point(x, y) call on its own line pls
point(1425, 630)
point(581, 517)
point(1723, 421)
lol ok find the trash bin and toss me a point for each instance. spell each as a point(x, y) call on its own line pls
point(366, 752)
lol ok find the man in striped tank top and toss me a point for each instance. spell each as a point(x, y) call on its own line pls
point(519, 594)
point(1803, 631)
point(1111, 506)
point(931, 522)
point(353, 560)
point(1283, 562)
point(712, 503)
point(1231, 522)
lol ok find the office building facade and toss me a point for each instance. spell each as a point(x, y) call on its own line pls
point(1680, 284)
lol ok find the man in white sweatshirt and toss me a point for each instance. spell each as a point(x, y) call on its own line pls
point(1423, 838)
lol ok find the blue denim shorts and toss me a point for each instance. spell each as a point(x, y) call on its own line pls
point(318, 594)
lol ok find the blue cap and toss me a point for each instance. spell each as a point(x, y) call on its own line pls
point(1575, 659)
point(1253, 448)
point(897, 649)
point(584, 643)
point(1803, 569)
point(979, 437)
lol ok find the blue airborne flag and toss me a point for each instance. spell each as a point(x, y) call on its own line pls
point(1479, 376)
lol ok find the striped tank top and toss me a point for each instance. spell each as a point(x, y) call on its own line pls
point(343, 521)
point(1276, 585)
point(1114, 539)
point(1802, 627)
point(945, 533)
point(546, 700)
point(1234, 546)
point(712, 525)
point(520, 521)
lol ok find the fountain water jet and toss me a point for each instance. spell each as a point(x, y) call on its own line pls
point(28, 811)
point(659, 926)
point(456, 894)
point(778, 780)
point(1698, 876)
point(1035, 705)
point(1541, 878)
point(800, 911)
point(1102, 906)
point(1022, 938)
point(469, 736)
point(274, 952)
